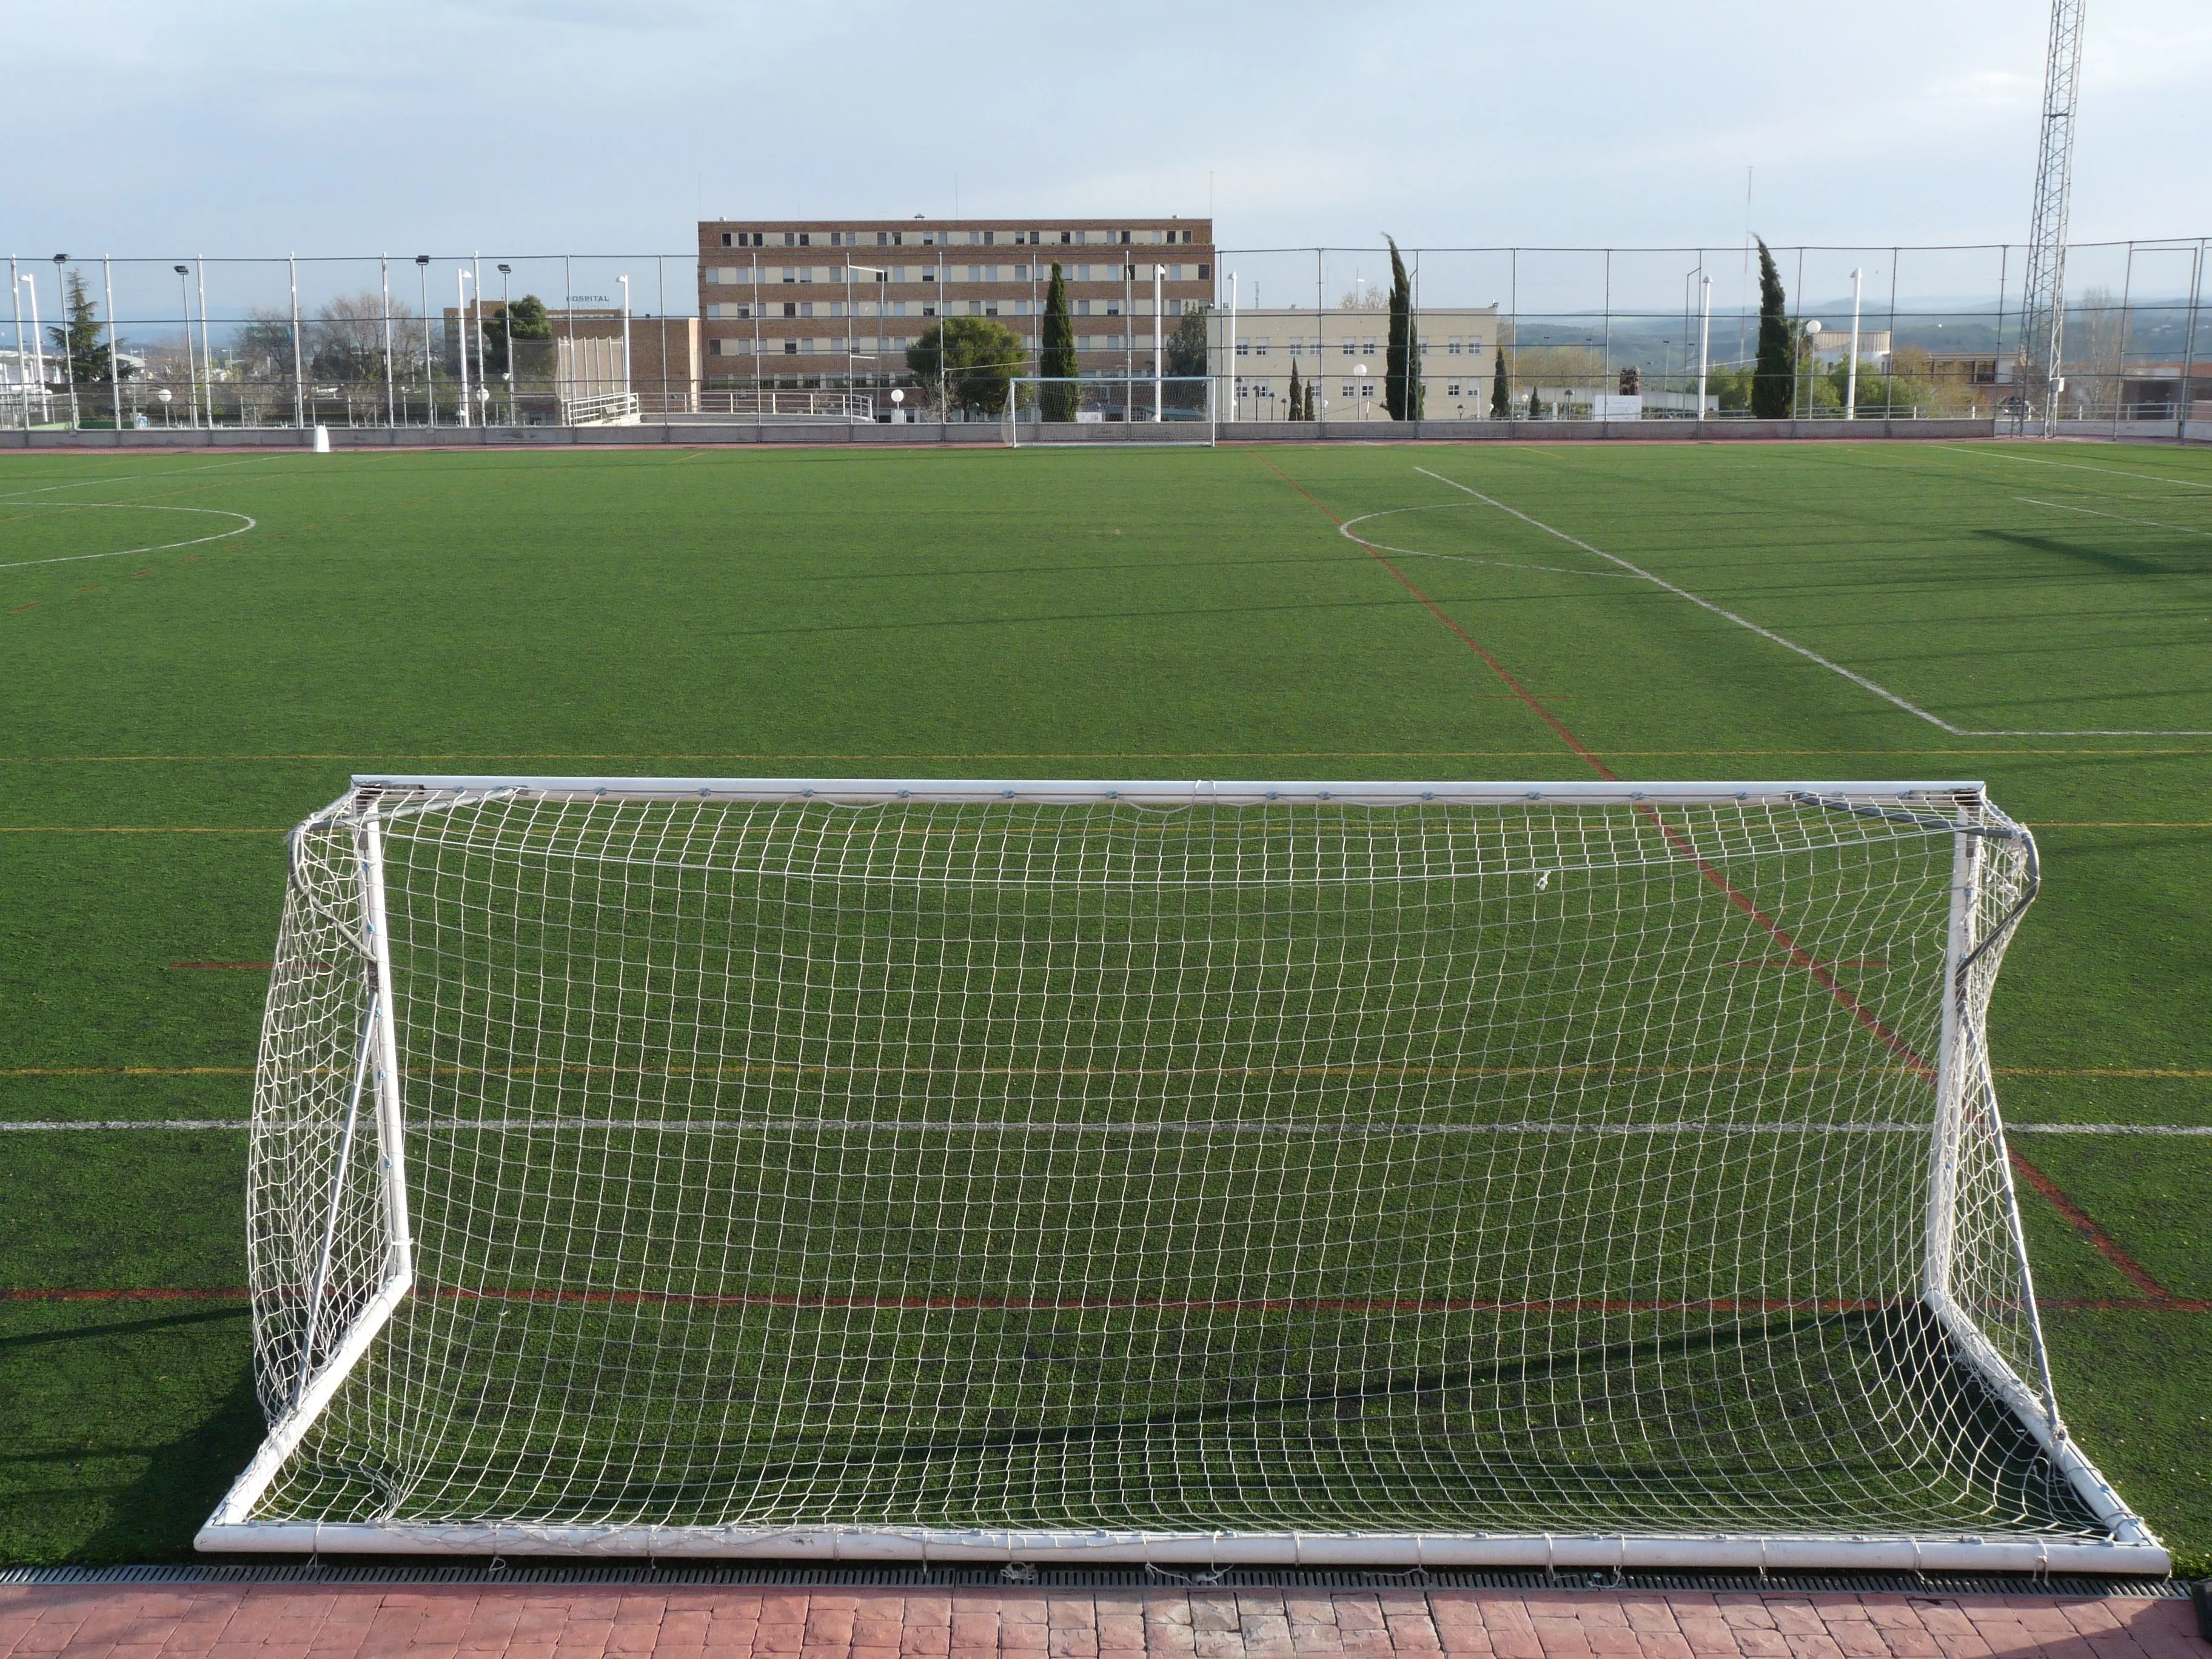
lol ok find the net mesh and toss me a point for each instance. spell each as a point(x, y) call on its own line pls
point(1318, 1167)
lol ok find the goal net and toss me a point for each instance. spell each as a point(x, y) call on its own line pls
point(1136, 408)
point(1450, 1174)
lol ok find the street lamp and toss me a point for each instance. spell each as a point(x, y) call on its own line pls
point(185, 305)
point(506, 320)
point(1360, 369)
point(165, 394)
point(429, 383)
point(461, 323)
point(68, 343)
point(899, 396)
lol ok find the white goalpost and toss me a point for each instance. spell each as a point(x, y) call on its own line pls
point(1110, 409)
point(1537, 1174)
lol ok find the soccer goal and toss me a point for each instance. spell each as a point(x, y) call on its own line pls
point(1523, 1174)
point(1137, 408)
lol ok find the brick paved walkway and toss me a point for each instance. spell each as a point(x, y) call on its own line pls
point(544, 1622)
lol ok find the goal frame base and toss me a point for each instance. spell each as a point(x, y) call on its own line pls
point(1630, 1551)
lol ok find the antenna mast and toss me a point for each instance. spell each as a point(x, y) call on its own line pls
point(2043, 320)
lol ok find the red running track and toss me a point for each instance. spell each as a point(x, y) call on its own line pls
point(369, 1621)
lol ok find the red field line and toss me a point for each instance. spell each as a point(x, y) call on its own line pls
point(1799, 956)
point(2102, 1241)
point(133, 1293)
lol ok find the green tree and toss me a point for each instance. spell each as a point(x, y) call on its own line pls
point(1774, 381)
point(1297, 393)
point(1057, 360)
point(1532, 414)
point(1187, 347)
point(525, 320)
point(1402, 363)
point(975, 360)
point(81, 350)
point(1501, 394)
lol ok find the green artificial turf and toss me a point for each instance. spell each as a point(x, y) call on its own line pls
point(1059, 614)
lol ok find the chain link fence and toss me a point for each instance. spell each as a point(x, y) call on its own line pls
point(1606, 334)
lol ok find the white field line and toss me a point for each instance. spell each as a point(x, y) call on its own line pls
point(1810, 655)
point(2060, 506)
point(685, 1126)
point(148, 477)
point(2076, 466)
point(124, 552)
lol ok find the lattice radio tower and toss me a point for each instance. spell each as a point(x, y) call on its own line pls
point(2043, 335)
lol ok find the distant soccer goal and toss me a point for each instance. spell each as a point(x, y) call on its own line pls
point(1110, 409)
point(1582, 1175)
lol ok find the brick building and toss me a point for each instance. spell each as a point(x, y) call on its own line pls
point(835, 304)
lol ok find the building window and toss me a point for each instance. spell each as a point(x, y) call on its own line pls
point(1347, 389)
point(728, 240)
point(928, 276)
point(1369, 350)
point(927, 309)
point(791, 347)
point(1453, 347)
point(1452, 391)
point(1351, 348)
point(791, 307)
point(1243, 348)
point(1205, 273)
point(1066, 236)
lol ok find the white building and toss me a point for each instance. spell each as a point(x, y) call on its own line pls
point(1832, 346)
point(23, 399)
point(1343, 354)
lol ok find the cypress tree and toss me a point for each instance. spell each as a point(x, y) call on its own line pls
point(1501, 396)
point(1774, 378)
point(1058, 361)
point(1533, 414)
point(79, 352)
point(1297, 393)
point(1401, 366)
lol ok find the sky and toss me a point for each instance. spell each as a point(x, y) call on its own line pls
point(534, 127)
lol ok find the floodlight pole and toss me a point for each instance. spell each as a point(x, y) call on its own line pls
point(191, 379)
point(506, 322)
point(1705, 339)
point(114, 343)
point(430, 384)
point(460, 340)
point(1159, 322)
point(68, 345)
point(1851, 377)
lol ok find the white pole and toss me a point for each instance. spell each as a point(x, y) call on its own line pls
point(68, 345)
point(475, 333)
point(191, 375)
point(460, 338)
point(1158, 322)
point(299, 367)
point(1704, 338)
point(1851, 381)
point(429, 382)
point(114, 344)
point(207, 358)
point(624, 281)
point(37, 347)
point(1228, 369)
point(23, 372)
point(384, 282)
